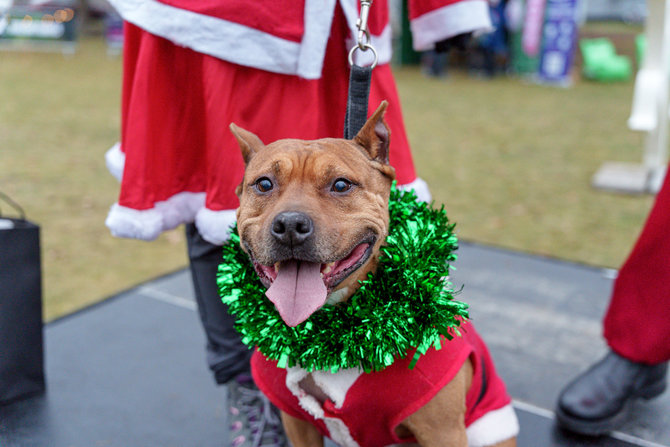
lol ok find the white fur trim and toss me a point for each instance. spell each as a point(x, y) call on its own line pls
point(127, 222)
point(336, 387)
point(494, 427)
point(339, 432)
point(420, 188)
point(234, 42)
point(215, 226)
point(318, 21)
point(462, 17)
point(150, 223)
point(115, 160)
point(293, 377)
point(180, 208)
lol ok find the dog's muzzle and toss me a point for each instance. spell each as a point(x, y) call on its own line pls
point(299, 279)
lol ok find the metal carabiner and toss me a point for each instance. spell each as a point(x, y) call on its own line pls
point(362, 24)
point(364, 41)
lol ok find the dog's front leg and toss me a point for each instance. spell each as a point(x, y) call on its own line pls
point(441, 422)
point(301, 433)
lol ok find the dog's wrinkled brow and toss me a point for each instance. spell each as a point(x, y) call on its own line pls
point(276, 168)
point(330, 171)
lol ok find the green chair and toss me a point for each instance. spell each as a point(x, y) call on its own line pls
point(601, 63)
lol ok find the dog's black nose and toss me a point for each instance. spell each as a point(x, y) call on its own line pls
point(292, 228)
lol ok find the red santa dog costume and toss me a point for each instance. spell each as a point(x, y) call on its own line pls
point(279, 68)
point(391, 395)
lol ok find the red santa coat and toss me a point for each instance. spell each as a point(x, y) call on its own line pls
point(290, 37)
point(278, 69)
point(365, 409)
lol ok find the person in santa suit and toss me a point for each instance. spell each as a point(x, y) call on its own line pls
point(637, 331)
point(279, 69)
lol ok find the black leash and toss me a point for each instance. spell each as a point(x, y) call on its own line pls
point(359, 78)
point(357, 102)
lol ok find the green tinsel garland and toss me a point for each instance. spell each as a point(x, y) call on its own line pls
point(407, 304)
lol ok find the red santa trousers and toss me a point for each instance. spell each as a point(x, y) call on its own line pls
point(637, 323)
point(177, 153)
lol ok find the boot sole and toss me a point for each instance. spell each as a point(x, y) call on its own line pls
point(604, 426)
point(591, 428)
point(653, 390)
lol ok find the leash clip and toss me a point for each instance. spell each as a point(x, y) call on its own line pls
point(362, 25)
point(364, 40)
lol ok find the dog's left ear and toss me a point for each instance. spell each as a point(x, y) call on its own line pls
point(374, 136)
point(249, 142)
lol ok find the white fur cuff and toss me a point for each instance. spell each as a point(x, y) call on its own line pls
point(115, 160)
point(420, 188)
point(215, 226)
point(494, 427)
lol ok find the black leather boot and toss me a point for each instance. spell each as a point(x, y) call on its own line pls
point(597, 401)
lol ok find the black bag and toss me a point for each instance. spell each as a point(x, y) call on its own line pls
point(21, 337)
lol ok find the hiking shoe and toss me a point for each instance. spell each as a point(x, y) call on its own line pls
point(254, 421)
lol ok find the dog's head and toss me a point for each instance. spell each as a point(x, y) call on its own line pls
point(313, 214)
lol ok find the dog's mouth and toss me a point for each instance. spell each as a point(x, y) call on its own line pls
point(331, 273)
point(299, 288)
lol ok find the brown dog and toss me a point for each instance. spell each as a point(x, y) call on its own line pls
point(312, 217)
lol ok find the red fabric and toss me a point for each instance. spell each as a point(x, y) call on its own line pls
point(637, 323)
point(420, 7)
point(398, 391)
point(379, 16)
point(281, 19)
point(175, 121)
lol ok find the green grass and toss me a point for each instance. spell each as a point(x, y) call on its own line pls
point(58, 115)
point(512, 161)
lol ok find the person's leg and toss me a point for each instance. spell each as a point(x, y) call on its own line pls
point(251, 416)
point(637, 331)
point(637, 325)
point(227, 356)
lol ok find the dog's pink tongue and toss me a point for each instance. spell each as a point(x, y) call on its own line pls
point(298, 291)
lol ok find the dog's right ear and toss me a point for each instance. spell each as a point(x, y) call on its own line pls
point(249, 142)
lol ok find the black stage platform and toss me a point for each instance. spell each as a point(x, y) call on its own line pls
point(130, 371)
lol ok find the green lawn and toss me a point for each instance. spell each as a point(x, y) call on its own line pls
point(511, 160)
point(58, 116)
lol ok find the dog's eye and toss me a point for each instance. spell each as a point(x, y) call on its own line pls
point(264, 184)
point(341, 185)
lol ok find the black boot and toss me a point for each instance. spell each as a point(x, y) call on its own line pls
point(596, 401)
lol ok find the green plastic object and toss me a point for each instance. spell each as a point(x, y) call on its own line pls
point(601, 63)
